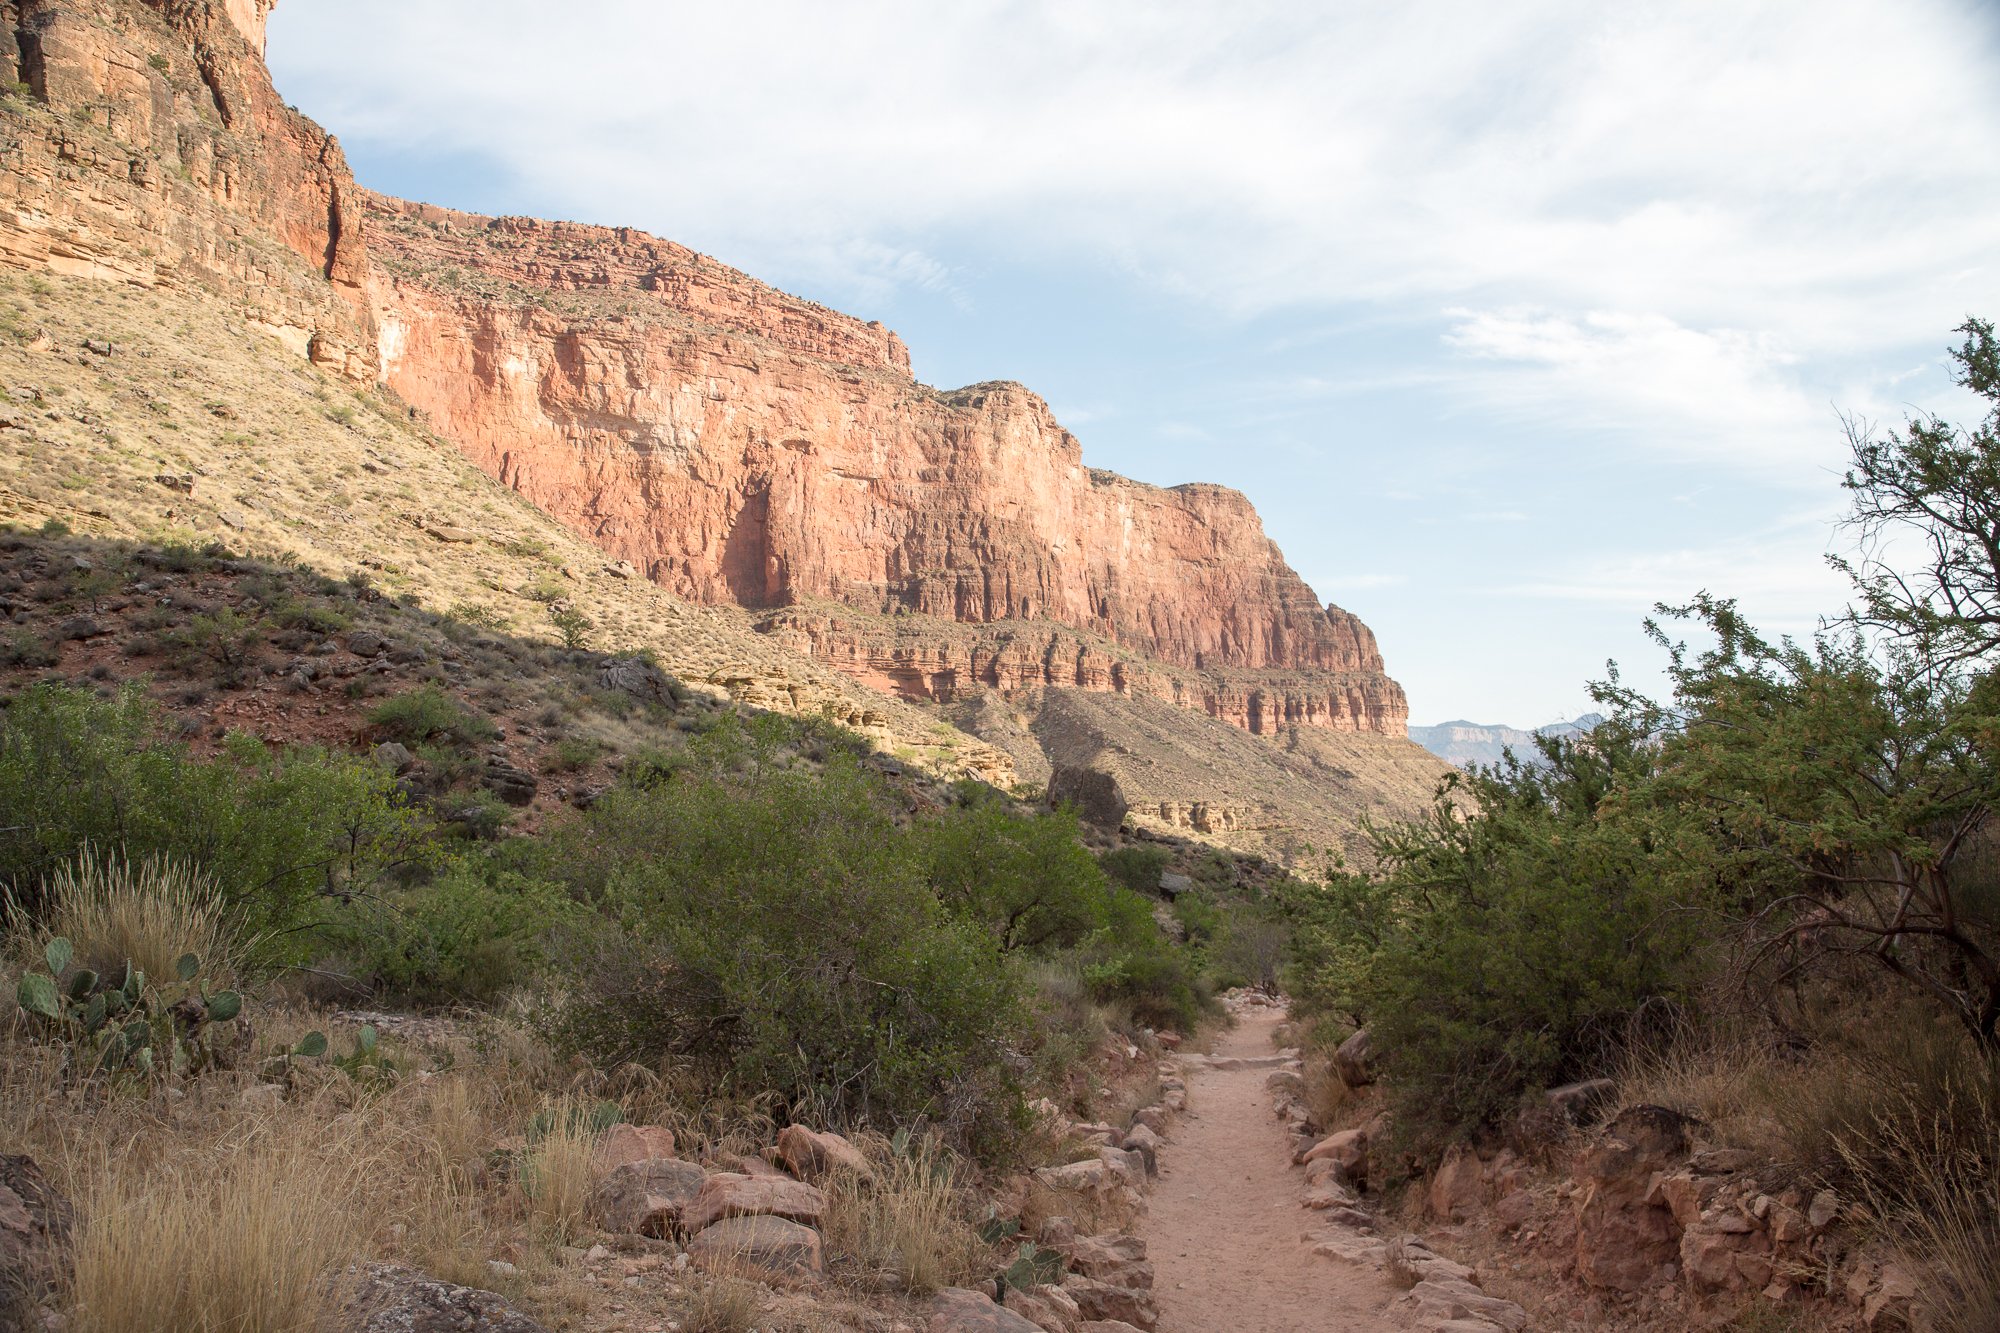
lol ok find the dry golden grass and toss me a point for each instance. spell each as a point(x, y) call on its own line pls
point(719, 1305)
point(555, 1172)
point(232, 1236)
point(911, 1222)
point(150, 914)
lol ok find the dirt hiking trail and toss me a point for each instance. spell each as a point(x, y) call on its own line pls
point(1225, 1230)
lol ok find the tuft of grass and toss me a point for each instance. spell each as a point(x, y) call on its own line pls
point(912, 1222)
point(556, 1175)
point(113, 912)
point(212, 1241)
point(720, 1305)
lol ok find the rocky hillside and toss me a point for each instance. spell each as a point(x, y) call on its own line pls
point(731, 454)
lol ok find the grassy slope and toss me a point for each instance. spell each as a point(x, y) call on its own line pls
point(290, 463)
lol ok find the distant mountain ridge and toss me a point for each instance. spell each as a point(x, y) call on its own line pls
point(1466, 743)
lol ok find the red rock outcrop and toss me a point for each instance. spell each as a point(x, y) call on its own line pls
point(739, 446)
point(736, 444)
point(154, 151)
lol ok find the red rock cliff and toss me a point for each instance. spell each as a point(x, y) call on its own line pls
point(742, 446)
point(738, 444)
point(154, 151)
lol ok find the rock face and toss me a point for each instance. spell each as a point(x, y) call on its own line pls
point(157, 153)
point(739, 446)
point(389, 1298)
point(735, 445)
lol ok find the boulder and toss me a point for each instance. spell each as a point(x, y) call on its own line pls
point(1048, 1308)
point(80, 627)
point(646, 1198)
point(1077, 1176)
point(35, 1225)
point(396, 758)
point(1285, 1083)
point(732, 1195)
point(1627, 1235)
point(365, 643)
point(1102, 1301)
point(750, 1164)
point(1105, 1326)
point(1118, 1261)
point(816, 1156)
point(1094, 792)
point(764, 1249)
point(1717, 1259)
point(389, 1298)
point(958, 1310)
point(1128, 1167)
point(1515, 1209)
point(1142, 1140)
point(636, 678)
point(513, 785)
point(1348, 1149)
point(1354, 1060)
point(1456, 1189)
point(1448, 1299)
point(445, 532)
point(624, 1144)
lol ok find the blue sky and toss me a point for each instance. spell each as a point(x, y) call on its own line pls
point(1511, 320)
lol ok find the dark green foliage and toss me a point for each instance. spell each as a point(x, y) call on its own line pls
point(778, 934)
point(270, 830)
point(1025, 878)
point(427, 712)
point(467, 937)
point(1512, 939)
point(1137, 868)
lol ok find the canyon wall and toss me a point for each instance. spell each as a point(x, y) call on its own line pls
point(738, 445)
point(144, 144)
point(743, 447)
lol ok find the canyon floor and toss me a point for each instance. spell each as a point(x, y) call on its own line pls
point(1225, 1229)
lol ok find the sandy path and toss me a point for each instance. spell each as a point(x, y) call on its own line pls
point(1225, 1231)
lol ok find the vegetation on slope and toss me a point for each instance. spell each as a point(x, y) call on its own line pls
point(1786, 868)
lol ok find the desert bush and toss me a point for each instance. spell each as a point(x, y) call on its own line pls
point(269, 830)
point(1508, 943)
point(1137, 868)
point(426, 712)
point(1025, 878)
point(467, 937)
point(772, 930)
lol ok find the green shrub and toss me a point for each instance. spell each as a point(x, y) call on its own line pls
point(1137, 868)
point(268, 830)
point(769, 929)
point(1026, 880)
point(461, 939)
point(571, 755)
point(1508, 945)
point(426, 712)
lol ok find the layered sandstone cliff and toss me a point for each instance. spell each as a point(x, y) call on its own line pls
point(144, 144)
point(743, 447)
point(740, 446)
